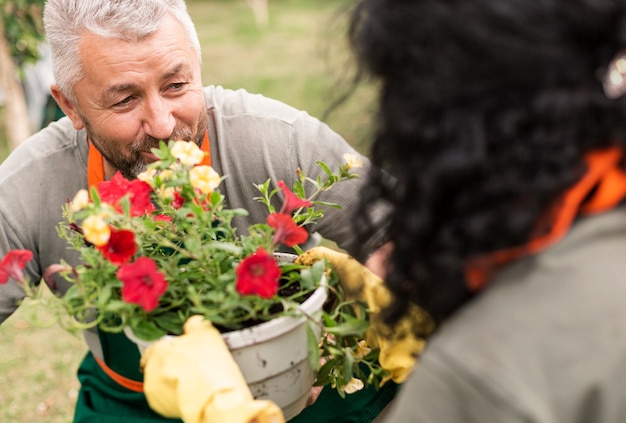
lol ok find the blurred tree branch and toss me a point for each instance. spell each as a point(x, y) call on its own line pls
point(21, 31)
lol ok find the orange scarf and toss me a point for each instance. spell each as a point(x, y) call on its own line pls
point(604, 174)
point(95, 161)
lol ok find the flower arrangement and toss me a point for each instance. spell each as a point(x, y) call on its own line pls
point(161, 248)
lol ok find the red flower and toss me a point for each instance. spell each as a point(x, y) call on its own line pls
point(111, 192)
point(12, 265)
point(292, 201)
point(258, 274)
point(286, 230)
point(178, 200)
point(203, 201)
point(143, 283)
point(163, 218)
point(121, 246)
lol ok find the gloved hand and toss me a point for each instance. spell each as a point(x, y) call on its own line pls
point(194, 377)
point(399, 347)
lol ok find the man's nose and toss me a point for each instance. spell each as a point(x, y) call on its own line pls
point(158, 119)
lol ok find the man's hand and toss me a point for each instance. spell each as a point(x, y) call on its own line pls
point(399, 347)
point(194, 377)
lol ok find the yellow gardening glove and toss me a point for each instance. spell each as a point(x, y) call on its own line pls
point(399, 347)
point(194, 377)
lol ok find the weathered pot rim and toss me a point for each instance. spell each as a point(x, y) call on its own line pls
point(244, 337)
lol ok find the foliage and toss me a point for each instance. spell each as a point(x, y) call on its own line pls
point(23, 28)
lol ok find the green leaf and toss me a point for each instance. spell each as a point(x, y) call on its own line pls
point(326, 169)
point(351, 326)
point(313, 347)
point(146, 330)
point(348, 366)
point(323, 375)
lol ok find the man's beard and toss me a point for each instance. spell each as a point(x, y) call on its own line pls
point(130, 162)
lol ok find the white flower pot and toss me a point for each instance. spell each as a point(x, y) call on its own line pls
point(273, 356)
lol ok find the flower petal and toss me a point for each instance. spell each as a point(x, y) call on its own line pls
point(12, 265)
point(292, 201)
point(258, 274)
point(286, 230)
point(143, 284)
point(121, 246)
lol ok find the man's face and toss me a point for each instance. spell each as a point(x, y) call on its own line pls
point(135, 94)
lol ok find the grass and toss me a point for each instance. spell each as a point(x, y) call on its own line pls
point(299, 58)
point(37, 368)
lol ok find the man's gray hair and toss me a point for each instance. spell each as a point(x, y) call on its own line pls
point(65, 21)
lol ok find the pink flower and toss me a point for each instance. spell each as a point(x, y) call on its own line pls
point(143, 283)
point(121, 246)
point(51, 271)
point(258, 274)
point(292, 201)
point(286, 230)
point(111, 192)
point(12, 265)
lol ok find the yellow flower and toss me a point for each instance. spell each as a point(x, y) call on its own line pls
point(204, 178)
point(166, 174)
point(96, 230)
point(147, 175)
point(187, 152)
point(167, 192)
point(362, 350)
point(352, 162)
point(80, 200)
point(352, 386)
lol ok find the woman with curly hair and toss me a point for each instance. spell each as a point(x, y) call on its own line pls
point(503, 126)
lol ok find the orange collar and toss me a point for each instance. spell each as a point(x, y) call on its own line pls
point(95, 162)
point(604, 175)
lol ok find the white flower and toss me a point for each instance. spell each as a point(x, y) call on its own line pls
point(204, 178)
point(187, 152)
point(352, 386)
point(147, 175)
point(167, 192)
point(80, 200)
point(352, 161)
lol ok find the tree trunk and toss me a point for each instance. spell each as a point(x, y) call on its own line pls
point(261, 12)
point(15, 110)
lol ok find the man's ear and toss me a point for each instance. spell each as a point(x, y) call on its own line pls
point(67, 106)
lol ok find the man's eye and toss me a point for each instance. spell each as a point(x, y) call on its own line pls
point(124, 102)
point(177, 85)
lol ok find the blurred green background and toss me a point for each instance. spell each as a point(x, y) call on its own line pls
point(298, 56)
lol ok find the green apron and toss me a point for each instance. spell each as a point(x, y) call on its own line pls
point(102, 400)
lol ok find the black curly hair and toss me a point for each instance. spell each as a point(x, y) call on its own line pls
point(486, 108)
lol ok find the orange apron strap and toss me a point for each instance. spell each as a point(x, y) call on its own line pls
point(131, 385)
point(95, 162)
point(206, 147)
point(95, 167)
